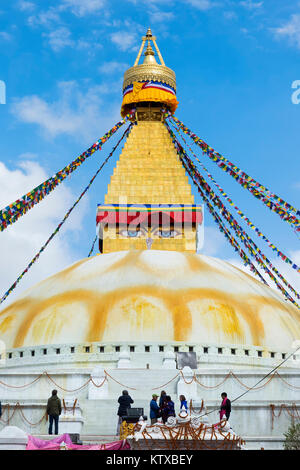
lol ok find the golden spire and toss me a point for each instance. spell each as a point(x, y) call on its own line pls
point(149, 180)
point(149, 71)
point(149, 55)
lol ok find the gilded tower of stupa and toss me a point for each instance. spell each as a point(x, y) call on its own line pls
point(149, 201)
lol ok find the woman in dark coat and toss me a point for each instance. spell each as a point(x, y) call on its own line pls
point(225, 408)
point(162, 398)
point(170, 407)
point(162, 406)
point(124, 401)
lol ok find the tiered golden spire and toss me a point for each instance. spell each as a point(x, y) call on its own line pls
point(149, 71)
point(149, 172)
point(149, 202)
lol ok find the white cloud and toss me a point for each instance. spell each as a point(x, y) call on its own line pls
point(5, 36)
point(27, 156)
point(124, 40)
point(161, 16)
point(83, 7)
point(251, 5)
point(214, 241)
point(44, 18)
point(57, 34)
point(290, 30)
point(112, 67)
point(78, 8)
point(244, 30)
point(60, 38)
point(239, 264)
point(21, 241)
point(296, 185)
point(152, 2)
point(78, 112)
point(202, 5)
point(25, 6)
point(285, 270)
point(230, 15)
point(85, 45)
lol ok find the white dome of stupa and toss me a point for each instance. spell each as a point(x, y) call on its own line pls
point(150, 296)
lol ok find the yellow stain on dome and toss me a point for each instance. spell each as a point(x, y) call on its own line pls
point(134, 259)
point(137, 316)
point(159, 310)
point(148, 313)
point(7, 323)
point(57, 319)
point(197, 264)
point(222, 314)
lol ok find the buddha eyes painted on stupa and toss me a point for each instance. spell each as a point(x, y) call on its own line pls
point(144, 232)
point(130, 233)
point(167, 233)
point(170, 227)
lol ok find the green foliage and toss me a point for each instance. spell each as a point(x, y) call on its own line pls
point(292, 437)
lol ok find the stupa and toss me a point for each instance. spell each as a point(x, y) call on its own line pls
point(131, 315)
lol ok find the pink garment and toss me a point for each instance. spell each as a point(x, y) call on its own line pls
point(54, 444)
point(223, 412)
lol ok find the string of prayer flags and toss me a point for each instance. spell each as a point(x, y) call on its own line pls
point(244, 237)
point(286, 211)
point(285, 258)
point(21, 206)
point(36, 257)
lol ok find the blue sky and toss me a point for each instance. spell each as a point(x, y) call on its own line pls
point(63, 62)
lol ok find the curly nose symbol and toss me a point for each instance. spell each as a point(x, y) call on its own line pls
point(149, 242)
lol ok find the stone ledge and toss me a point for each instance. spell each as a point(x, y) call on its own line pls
point(84, 350)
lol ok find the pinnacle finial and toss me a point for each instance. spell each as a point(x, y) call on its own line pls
point(149, 54)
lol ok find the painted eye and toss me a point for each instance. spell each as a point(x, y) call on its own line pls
point(167, 233)
point(133, 233)
point(130, 233)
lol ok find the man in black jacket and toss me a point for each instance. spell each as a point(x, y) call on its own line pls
point(53, 411)
point(124, 401)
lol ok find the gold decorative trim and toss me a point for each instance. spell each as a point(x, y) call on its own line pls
point(145, 72)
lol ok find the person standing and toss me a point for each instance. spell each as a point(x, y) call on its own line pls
point(162, 406)
point(162, 398)
point(53, 411)
point(124, 401)
point(154, 409)
point(225, 408)
point(183, 403)
point(170, 407)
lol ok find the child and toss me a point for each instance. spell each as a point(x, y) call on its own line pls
point(183, 403)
